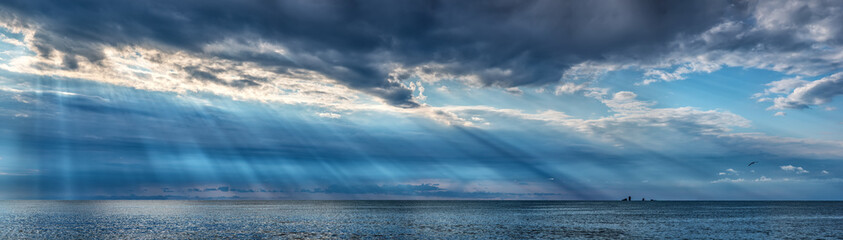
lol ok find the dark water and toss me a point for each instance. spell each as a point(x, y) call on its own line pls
point(418, 219)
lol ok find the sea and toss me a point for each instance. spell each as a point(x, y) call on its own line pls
point(170, 219)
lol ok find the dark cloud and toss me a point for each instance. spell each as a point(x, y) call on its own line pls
point(803, 38)
point(505, 43)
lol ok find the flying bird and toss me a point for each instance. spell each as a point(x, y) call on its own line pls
point(750, 164)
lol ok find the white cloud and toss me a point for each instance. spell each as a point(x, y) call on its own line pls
point(21, 99)
point(625, 101)
point(545, 116)
point(783, 86)
point(824, 172)
point(417, 86)
point(728, 171)
point(165, 71)
point(630, 110)
point(635, 119)
point(812, 93)
point(646, 82)
point(514, 91)
point(654, 75)
point(763, 179)
point(431, 73)
point(330, 115)
point(791, 168)
point(181, 72)
point(569, 88)
point(11, 41)
point(157, 70)
point(780, 114)
point(444, 89)
point(590, 70)
point(631, 116)
point(728, 180)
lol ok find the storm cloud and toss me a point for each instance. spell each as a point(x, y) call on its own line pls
point(358, 43)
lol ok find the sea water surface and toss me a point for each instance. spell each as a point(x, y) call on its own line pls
point(168, 219)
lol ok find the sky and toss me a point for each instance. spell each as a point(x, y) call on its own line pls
point(378, 99)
